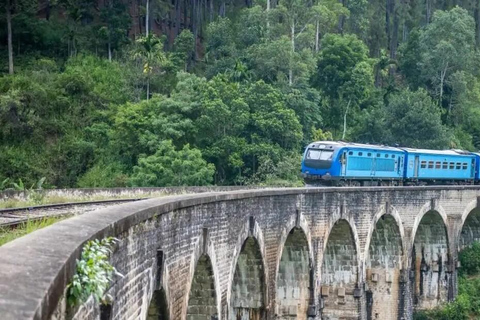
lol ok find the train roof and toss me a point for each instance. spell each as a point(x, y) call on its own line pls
point(439, 152)
point(336, 144)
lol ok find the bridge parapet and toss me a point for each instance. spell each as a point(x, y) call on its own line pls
point(291, 253)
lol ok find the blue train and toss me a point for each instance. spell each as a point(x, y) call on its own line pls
point(336, 163)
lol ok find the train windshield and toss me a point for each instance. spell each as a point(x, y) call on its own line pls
point(316, 154)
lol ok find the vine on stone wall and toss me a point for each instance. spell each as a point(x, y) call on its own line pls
point(93, 272)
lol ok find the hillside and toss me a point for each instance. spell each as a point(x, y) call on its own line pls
point(226, 92)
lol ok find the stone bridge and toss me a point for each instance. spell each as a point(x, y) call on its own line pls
point(319, 253)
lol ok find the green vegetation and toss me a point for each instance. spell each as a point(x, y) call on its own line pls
point(93, 272)
point(466, 305)
point(162, 93)
point(7, 234)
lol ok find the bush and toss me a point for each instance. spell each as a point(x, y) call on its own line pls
point(103, 175)
point(470, 259)
point(168, 167)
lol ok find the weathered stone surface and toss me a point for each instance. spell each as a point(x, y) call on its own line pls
point(407, 237)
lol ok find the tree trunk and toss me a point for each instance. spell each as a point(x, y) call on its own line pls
point(147, 18)
point(10, 45)
point(268, 17)
point(477, 23)
point(345, 120)
point(388, 10)
point(341, 22)
point(177, 17)
point(317, 37)
point(428, 9)
point(394, 39)
point(290, 71)
point(442, 81)
point(211, 11)
point(47, 10)
point(148, 88)
point(109, 50)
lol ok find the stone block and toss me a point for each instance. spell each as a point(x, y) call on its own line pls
point(325, 291)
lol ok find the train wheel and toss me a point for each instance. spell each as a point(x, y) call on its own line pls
point(355, 183)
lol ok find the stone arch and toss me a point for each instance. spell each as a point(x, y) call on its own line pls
point(392, 213)
point(340, 272)
point(295, 222)
point(384, 261)
point(202, 268)
point(158, 307)
point(248, 296)
point(294, 283)
point(202, 301)
point(429, 263)
point(469, 230)
point(250, 229)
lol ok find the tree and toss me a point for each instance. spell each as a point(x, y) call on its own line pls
point(450, 35)
point(345, 76)
point(169, 167)
point(11, 9)
point(149, 51)
point(115, 26)
point(414, 120)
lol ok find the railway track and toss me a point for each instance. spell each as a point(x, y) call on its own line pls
point(13, 217)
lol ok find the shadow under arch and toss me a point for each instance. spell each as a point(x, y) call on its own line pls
point(202, 299)
point(294, 276)
point(383, 264)
point(158, 307)
point(430, 254)
point(340, 272)
point(248, 297)
point(469, 230)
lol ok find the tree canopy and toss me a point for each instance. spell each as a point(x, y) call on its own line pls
point(157, 93)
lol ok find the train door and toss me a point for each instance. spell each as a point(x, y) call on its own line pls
point(373, 164)
point(344, 163)
point(472, 169)
point(415, 168)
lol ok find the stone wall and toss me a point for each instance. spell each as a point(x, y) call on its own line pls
point(336, 253)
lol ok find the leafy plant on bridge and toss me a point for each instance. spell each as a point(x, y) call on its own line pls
point(94, 272)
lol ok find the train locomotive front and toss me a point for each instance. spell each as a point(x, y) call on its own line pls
point(329, 163)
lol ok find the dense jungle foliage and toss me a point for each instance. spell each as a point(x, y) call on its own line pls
point(159, 93)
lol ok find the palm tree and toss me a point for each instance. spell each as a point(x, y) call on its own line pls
point(149, 51)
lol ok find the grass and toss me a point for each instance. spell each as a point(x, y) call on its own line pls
point(34, 198)
point(8, 234)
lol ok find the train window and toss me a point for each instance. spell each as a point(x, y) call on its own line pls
point(465, 166)
point(313, 154)
point(423, 164)
point(350, 153)
point(378, 155)
point(386, 156)
point(360, 153)
point(430, 164)
point(438, 165)
point(369, 154)
point(393, 156)
point(452, 165)
point(326, 154)
point(459, 166)
point(445, 165)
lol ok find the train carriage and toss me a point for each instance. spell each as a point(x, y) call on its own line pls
point(439, 166)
